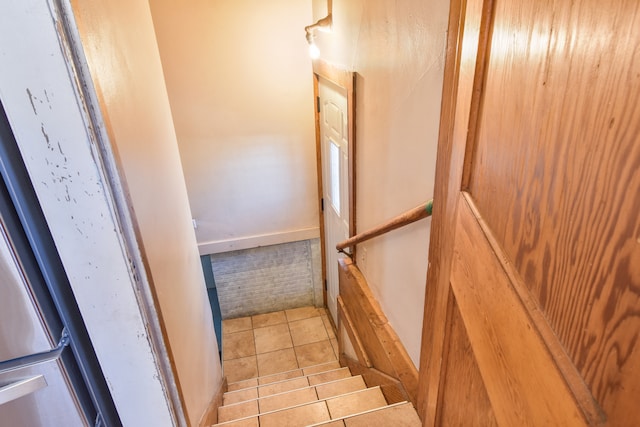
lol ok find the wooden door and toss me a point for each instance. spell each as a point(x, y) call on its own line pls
point(532, 312)
point(334, 137)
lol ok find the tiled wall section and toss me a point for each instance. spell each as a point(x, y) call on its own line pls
point(269, 278)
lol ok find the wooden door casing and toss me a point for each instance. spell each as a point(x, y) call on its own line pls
point(538, 165)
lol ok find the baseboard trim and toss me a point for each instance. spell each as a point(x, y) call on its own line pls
point(375, 343)
point(210, 416)
point(218, 246)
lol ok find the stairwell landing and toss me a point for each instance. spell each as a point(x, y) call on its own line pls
point(283, 370)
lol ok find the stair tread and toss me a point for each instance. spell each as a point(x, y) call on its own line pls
point(311, 392)
point(352, 403)
point(281, 376)
point(248, 393)
point(316, 411)
point(398, 415)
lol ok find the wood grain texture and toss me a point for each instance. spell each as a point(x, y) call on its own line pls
point(405, 218)
point(345, 320)
point(460, 83)
point(524, 385)
point(463, 396)
point(556, 177)
point(383, 346)
point(323, 237)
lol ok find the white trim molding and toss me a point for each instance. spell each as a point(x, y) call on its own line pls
point(219, 246)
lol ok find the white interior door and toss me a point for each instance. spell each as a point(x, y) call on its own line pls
point(334, 137)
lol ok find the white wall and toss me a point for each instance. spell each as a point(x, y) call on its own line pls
point(121, 49)
point(241, 92)
point(397, 49)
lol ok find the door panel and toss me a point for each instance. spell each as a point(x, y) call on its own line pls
point(540, 175)
point(524, 384)
point(556, 164)
point(462, 381)
point(334, 139)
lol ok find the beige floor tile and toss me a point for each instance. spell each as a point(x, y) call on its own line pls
point(397, 416)
point(277, 361)
point(268, 319)
point(338, 423)
point(328, 326)
point(280, 377)
point(272, 338)
point(315, 353)
point(324, 367)
point(287, 400)
point(240, 369)
point(302, 313)
point(353, 403)
point(339, 387)
point(299, 416)
point(238, 344)
point(240, 396)
point(247, 422)
point(230, 326)
point(253, 382)
point(325, 377)
point(239, 410)
point(306, 331)
point(282, 386)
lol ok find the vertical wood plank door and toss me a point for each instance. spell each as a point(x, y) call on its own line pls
point(532, 311)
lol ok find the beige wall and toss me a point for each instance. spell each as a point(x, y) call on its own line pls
point(122, 53)
point(240, 86)
point(397, 49)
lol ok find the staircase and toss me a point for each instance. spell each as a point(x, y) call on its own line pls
point(322, 394)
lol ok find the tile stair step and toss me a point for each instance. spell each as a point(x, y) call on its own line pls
point(290, 398)
point(336, 407)
point(400, 414)
point(249, 393)
point(267, 379)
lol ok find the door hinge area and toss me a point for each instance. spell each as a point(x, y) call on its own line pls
point(318, 104)
point(325, 285)
point(322, 204)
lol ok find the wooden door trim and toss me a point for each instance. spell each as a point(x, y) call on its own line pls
point(456, 119)
point(346, 80)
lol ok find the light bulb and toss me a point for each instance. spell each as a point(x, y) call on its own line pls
point(314, 52)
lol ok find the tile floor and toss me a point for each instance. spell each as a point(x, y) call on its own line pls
point(276, 342)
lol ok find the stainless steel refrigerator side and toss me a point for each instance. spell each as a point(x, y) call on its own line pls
point(50, 401)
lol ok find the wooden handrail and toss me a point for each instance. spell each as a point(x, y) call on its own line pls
point(401, 220)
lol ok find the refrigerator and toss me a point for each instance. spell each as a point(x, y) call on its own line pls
point(35, 389)
point(49, 372)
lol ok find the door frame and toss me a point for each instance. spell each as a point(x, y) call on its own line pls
point(448, 183)
point(347, 81)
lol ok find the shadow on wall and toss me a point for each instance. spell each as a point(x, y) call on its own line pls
point(212, 294)
point(268, 278)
